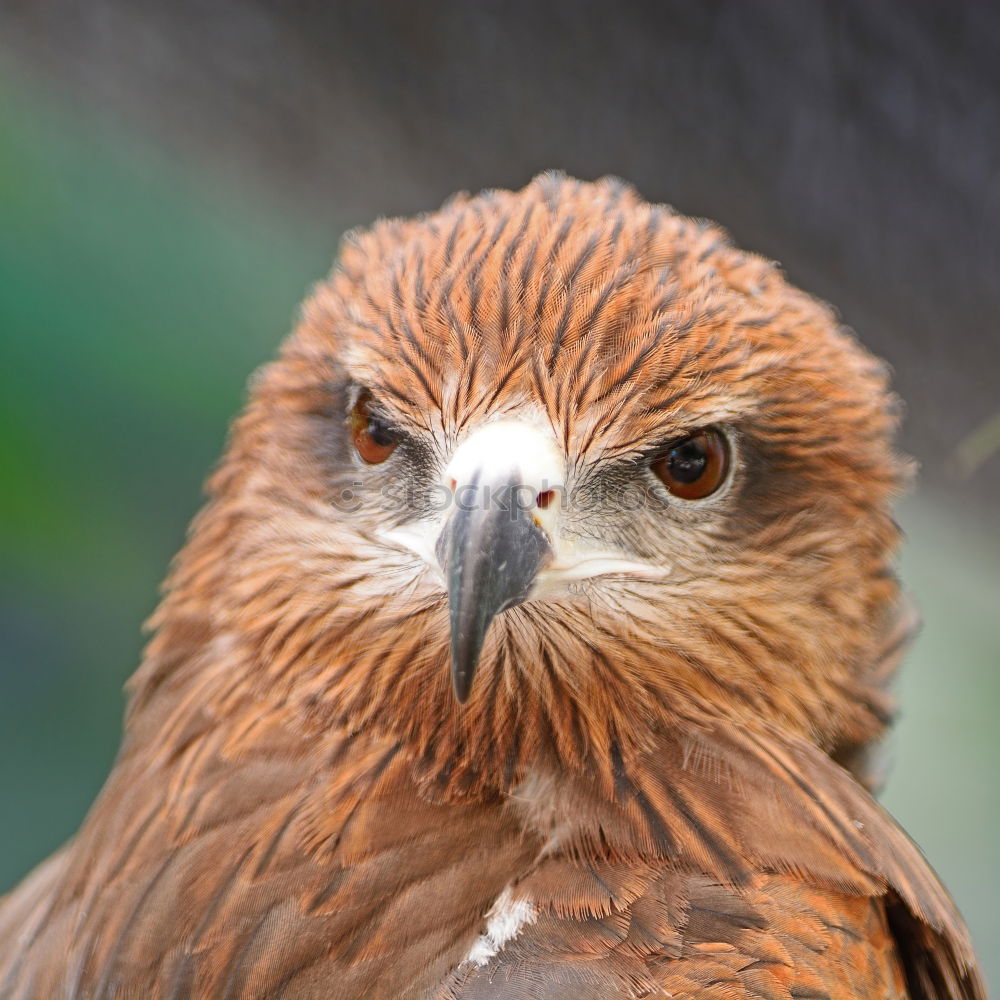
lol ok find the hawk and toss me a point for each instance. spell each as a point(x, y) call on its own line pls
point(530, 646)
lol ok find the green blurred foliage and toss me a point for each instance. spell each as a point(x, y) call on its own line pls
point(136, 296)
point(134, 303)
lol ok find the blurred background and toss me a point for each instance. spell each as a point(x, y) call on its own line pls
point(174, 175)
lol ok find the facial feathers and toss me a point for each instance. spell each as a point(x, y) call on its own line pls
point(620, 326)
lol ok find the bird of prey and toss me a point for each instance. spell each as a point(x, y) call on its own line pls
point(531, 646)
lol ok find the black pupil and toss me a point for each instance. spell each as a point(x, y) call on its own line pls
point(687, 461)
point(380, 432)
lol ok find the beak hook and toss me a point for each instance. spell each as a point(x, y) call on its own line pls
point(491, 552)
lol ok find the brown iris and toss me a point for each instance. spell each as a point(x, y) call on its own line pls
point(374, 439)
point(694, 467)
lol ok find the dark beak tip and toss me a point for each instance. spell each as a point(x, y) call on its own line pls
point(464, 661)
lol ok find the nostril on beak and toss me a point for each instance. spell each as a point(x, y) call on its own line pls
point(544, 499)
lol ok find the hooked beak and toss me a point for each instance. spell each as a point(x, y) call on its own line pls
point(501, 542)
point(491, 551)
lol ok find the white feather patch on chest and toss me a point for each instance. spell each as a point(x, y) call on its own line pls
point(507, 917)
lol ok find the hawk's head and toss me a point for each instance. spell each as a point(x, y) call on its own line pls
point(574, 457)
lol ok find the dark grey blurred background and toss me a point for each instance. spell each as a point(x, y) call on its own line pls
point(173, 175)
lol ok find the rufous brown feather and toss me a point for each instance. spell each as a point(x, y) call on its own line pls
point(613, 741)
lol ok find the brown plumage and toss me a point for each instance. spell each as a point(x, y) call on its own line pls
point(642, 795)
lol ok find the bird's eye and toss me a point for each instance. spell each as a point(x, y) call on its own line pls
point(694, 467)
point(374, 440)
